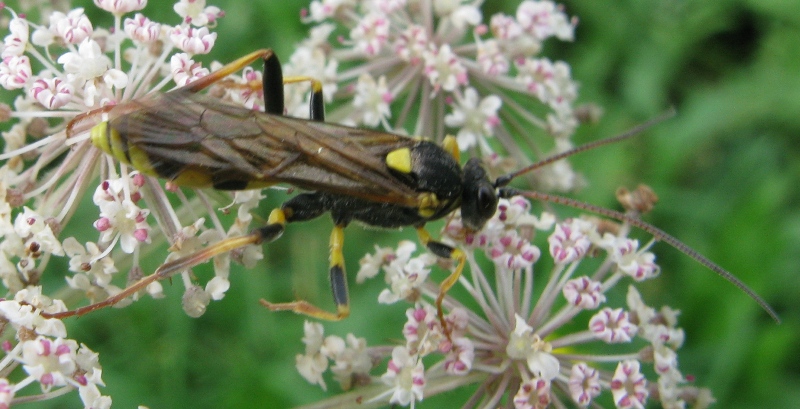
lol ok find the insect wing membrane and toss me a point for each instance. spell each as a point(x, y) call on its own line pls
point(339, 159)
point(199, 141)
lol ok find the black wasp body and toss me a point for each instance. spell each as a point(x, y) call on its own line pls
point(380, 179)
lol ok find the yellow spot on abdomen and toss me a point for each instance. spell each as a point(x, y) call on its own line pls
point(193, 178)
point(141, 162)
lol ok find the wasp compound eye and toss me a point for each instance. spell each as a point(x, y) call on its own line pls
point(479, 199)
point(487, 201)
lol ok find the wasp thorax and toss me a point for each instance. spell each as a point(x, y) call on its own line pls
point(479, 200)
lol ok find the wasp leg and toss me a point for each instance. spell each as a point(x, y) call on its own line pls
point(265, 54)
point(305, 207)
point(338, 286)
point(268, 233)
point(443, 250)
point(272, 84)
point(317, 105)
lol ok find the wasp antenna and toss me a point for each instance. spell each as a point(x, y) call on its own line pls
point(638, 129)
point(655, 231)
point(127, 292)
point(227, 69)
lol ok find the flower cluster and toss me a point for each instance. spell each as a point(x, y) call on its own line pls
point(521, 344)
point(50, 359)
point(431, 67)
point(56, 69)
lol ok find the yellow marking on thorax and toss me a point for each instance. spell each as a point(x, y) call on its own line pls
point(450, 144)
point(427, 204)
point(399, 160)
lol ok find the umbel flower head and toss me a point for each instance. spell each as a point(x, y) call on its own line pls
point(81, 67)
point(563, 344)
point(435, 67)
point(57, 68)
point(558, 343)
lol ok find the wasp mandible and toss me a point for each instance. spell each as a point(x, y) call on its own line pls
point(377, 178)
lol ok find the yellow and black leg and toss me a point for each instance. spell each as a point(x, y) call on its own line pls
point(317, 104)
point(338, 280)
point(445, 251)
point(270, 232)
point(305, 207)
point(200, 84)
point(272, 82)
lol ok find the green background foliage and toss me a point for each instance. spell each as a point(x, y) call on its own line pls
point(726, 169)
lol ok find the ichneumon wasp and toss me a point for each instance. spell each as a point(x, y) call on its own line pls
point(377, 178)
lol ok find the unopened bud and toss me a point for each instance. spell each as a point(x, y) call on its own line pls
point(195, 301)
